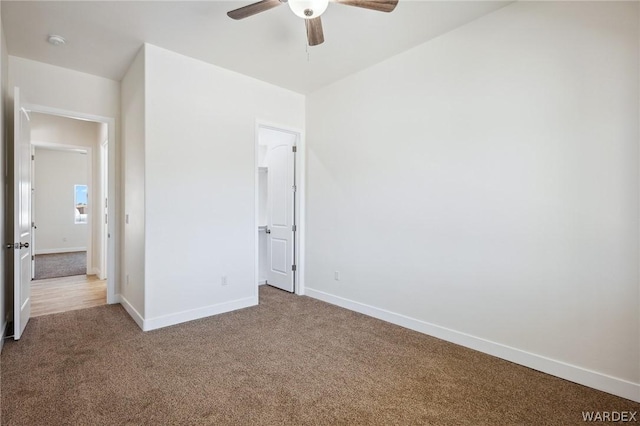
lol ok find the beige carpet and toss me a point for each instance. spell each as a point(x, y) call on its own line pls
point(60, 265)
point(291, 360)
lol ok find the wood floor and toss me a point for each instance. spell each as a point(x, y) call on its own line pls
point(56, 295)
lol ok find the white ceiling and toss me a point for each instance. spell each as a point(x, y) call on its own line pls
point(103, 37)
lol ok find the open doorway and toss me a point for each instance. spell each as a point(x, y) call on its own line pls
point(60, 208)
point(277, 207)
point(69, 197)
point(20, 199)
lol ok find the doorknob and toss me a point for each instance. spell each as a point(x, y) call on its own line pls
point(17, 246)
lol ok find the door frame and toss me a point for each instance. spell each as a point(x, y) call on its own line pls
point(299, 203)
point(112, 297)
point(33, 209)
point(103, 160)
point(88, 151)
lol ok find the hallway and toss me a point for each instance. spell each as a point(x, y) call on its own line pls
point(56, 295)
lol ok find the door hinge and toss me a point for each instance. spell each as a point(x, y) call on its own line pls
point(293, 268)
point(294, 228)
point(11, 246)
point(294, 188)
point(33, 157)
point(294, 148)
point(33, 257)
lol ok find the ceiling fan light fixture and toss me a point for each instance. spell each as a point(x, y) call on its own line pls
point(308, 9)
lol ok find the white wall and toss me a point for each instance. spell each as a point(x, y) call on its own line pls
point(483, 187)
point(133, 160)
point(55, 174)
point(200, 183)
point(4, 276)
point(66, 89)
point(54, 129)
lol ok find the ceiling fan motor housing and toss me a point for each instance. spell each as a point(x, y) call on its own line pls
point(308, 9)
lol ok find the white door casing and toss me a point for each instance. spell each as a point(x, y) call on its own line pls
point(22, 216)
point(104, 193)
point(33, 212)
point(112, 189)
point(281, 219)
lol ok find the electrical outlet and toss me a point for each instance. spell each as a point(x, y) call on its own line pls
point(336, 275)
point(223, 280)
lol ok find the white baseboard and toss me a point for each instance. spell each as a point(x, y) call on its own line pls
point(96, 272)
point(131, 310)
point(2, 335)
point(262, 282)
point(60, 250)
point(573, 373)
point(193, 314)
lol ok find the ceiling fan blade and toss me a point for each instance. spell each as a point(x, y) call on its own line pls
point(315, 35)
point(252, 9)
point(379, 5)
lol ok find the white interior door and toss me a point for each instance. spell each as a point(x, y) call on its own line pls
point(22, 215)
point(280, 240)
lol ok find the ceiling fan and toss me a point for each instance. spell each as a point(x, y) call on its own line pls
point(310, 11)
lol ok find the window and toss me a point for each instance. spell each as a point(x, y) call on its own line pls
point(81, 200)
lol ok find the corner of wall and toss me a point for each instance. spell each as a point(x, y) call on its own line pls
point(132, 311)
point(132, 232)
